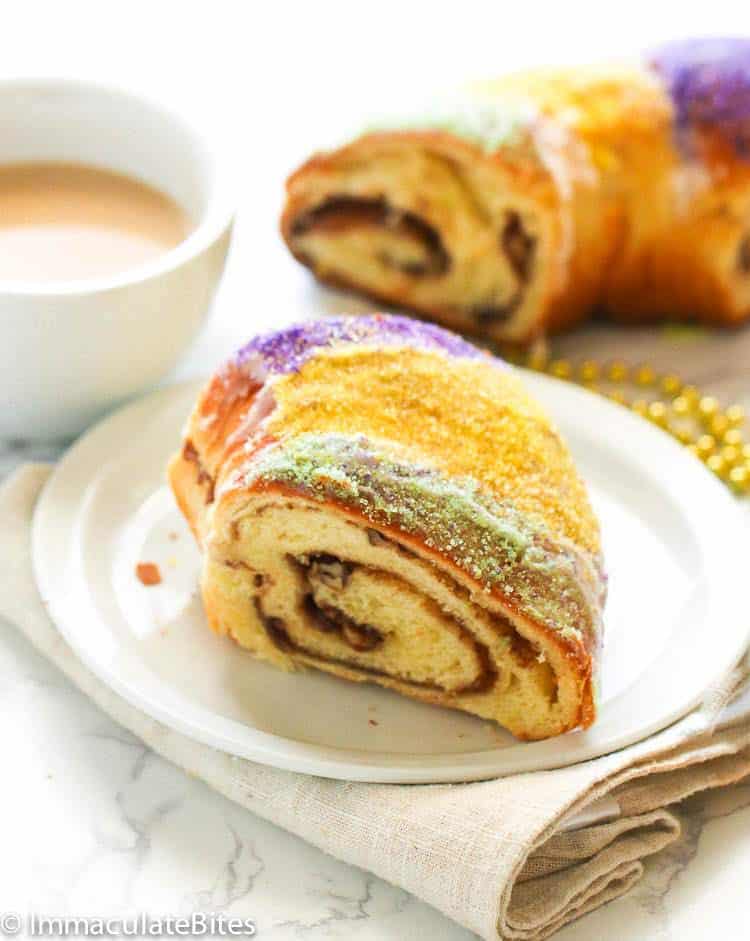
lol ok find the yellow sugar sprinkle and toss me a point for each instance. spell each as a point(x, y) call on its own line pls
point(464, 417)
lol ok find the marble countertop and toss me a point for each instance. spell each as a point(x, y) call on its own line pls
point(92, 821)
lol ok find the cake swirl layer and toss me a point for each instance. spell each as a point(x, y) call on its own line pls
point(379, 499)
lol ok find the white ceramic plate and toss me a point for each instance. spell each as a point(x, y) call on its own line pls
point(674, 543)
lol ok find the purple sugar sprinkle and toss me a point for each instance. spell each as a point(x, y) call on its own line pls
point(709, 83)
point(286, 350)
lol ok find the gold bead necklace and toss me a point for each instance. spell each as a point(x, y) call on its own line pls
point(712, 433)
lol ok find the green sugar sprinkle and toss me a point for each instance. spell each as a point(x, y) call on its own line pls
point(491, 125)
point(487, 538)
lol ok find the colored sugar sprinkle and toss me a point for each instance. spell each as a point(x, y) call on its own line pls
point(461, 416)
point(488, 539)
point(286, 350)
point(489, 124)
point(709, 83)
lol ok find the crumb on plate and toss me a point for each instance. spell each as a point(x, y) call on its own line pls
point(148, 573)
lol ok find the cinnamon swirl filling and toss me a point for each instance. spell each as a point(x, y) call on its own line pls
point(414, 246)
point(358, 241)
point(203, 478)
point(343, 618)
point(519, 248)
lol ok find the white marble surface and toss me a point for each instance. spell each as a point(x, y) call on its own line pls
point(91, 821)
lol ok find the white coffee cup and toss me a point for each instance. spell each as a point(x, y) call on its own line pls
point(72, 350)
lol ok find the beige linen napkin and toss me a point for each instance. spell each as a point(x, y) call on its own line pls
point(508, 858)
